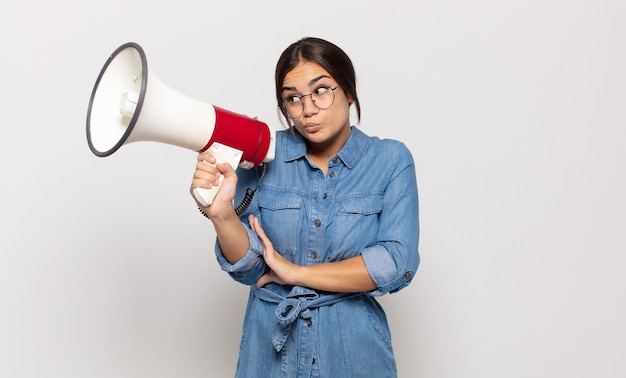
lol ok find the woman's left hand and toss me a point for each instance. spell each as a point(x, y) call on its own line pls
point(281, 271)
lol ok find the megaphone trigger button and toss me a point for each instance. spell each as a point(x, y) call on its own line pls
point(246, 164)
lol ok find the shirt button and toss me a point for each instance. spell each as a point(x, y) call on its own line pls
point(313, 360)
point(318, 223)
point(331, 174)
point(407, 275)
point(314, 254)
point(335, 159)
point(325, 195)
point(309, 322)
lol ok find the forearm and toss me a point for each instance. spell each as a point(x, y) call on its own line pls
point(232, 236)
point(348, 275)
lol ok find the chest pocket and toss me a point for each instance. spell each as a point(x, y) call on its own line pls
point(357, 222)
point(280, 218)
point(363, 205)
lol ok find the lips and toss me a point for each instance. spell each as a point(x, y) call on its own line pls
point(311, 127)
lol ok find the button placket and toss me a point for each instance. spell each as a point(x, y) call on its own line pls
point(333, 162)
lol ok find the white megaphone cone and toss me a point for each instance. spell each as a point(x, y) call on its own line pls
point(128, 105)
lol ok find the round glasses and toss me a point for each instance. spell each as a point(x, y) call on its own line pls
point(322, 97)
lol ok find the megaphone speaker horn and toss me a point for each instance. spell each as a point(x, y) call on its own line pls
point(129, 104)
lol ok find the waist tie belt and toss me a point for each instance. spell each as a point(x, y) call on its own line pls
point(297, 303)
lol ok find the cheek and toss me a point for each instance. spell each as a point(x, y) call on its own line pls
point(343, 112)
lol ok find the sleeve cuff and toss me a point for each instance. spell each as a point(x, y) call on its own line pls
point(255, 251)
point(380, 266)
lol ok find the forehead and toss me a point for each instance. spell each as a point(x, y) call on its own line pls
point(302, 74)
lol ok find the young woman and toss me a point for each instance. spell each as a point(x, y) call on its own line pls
point(333, 224)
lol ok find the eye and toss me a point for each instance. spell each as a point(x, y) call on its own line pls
point(293, 99)
point(321, 90)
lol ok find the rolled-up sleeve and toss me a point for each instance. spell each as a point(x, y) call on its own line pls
point(250, 267)
point(393, 261)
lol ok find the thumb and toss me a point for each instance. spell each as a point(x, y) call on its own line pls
point(225, 168)
point(227, 186)
point(264, 280)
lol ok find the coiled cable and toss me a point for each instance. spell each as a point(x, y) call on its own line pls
point(247, 198)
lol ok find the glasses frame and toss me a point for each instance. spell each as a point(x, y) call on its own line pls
point(312, 100)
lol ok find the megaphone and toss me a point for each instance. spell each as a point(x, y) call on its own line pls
point(128, 104)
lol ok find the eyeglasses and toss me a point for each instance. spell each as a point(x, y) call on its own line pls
point(322, 97)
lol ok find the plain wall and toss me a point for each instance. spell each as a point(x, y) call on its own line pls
point(514, 112)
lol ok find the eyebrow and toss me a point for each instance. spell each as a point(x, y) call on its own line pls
point(311, 82)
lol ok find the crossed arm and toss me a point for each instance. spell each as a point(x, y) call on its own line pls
point(349, 275)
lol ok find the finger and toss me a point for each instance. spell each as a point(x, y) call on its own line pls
point(264, 280)
point(225, 168)
point(254, 222)
point(205, 166)
point(205, 179)
point(251, 220)
point(206, 157)
point(256, 226)
point(206, 173)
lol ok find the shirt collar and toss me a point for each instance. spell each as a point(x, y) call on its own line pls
point(295, 147)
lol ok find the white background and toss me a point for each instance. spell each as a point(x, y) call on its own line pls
point(514, 112)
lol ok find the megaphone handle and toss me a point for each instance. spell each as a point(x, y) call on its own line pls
point(206, 196)
point(223, 154)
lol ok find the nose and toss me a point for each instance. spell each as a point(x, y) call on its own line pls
point(308, 107)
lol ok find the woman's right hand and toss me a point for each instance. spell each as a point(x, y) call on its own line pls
point(207, 175)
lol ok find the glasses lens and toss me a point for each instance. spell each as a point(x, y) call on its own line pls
point(322, 98)
point(294, 107)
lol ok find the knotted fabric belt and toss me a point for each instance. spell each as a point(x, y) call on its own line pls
point(296, 304)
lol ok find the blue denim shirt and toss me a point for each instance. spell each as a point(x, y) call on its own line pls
point(365, 205)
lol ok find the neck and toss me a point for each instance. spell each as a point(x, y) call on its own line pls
point(320, 153)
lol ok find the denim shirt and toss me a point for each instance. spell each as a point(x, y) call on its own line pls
point(365, 205)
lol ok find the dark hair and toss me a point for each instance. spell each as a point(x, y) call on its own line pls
point(328, 56)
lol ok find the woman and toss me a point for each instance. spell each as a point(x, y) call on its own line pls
point(333, 224)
